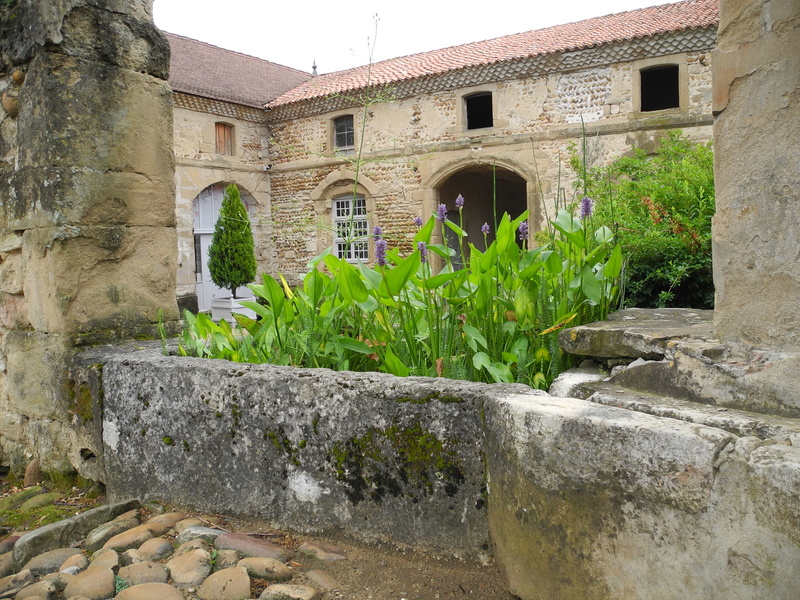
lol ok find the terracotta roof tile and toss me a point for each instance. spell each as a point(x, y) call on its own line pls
point(204, 70)
point(572, 36)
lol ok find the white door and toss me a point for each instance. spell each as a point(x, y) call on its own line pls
point(206, 212)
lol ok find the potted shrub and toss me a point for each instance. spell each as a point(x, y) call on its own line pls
point(231, 256)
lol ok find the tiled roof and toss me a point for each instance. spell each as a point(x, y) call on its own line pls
point(204, 70)
point(618, 27)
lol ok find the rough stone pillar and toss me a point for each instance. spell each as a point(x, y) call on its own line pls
point(756, 73)
point(87, 235)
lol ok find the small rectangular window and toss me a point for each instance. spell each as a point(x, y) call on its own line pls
point(659, 88)
point(479, 110)
point(350, 228)
point(343, 132)
point(224, 138)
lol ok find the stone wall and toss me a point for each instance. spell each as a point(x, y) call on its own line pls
point(757, 103)
point(379, 457)
point(87, 243)
point(412, 145)
point(575, 499)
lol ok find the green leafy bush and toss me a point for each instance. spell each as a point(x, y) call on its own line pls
point(231, 255)
point(495, 320)
point(659, 208)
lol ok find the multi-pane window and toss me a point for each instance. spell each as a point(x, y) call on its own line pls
point(343, 132)
point(224, 133)
point(350, 228)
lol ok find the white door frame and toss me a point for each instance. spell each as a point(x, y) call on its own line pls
point(205, 210)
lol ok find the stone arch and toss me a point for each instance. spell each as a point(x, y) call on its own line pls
point(476, 180)
point(205, 211)
point(190, 181)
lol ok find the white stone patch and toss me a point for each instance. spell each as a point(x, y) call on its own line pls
point(304, 487)
point(110, 434)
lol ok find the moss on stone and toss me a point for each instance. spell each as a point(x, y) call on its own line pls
point(397, 460)
point(283, 444)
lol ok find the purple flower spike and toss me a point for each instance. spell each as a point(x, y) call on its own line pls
point(523, 230)
point(586, 207)
point(418, 221)
point(380, 252)
point(460, 202)
point(377, 231)
point(423, 251)
point(441, 213)
point(485, 229)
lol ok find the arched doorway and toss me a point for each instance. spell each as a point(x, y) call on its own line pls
point(488, 191)
point(205, 208)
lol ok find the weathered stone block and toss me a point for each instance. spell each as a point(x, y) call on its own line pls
point(372, 454)
point(129, 111)
point(126, 277)
point(47, 196)
point(588, 501)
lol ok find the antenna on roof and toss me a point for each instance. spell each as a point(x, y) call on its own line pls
point(314, 68)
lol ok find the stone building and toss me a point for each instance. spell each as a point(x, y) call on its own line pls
point(220, 133)
point(491, 120)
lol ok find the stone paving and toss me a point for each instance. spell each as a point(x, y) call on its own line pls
point(127, 552)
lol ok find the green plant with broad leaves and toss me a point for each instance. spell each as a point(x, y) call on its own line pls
point(659, 207)
point(494, 320)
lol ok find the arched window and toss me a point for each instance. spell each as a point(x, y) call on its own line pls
point(350, 227)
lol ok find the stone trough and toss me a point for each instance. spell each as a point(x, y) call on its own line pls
point(626, 494)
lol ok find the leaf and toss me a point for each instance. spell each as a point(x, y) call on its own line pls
point(397, 278)
point(394, 365)
point(500, 373)
point(351, 284)
point(424, 234)
point(474, 337)
point(369, 305)
point(455, 228)
point(603, 235)
point(613, 267)
point(590, 286)
point(552, 262)
point(481, 360)
point(440, 279)
point(354, 345)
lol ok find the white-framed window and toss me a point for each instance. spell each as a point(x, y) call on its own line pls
point(344, 133)
point(350, 227)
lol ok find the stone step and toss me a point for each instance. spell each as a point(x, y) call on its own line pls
point(672, 352)
point(738, 422)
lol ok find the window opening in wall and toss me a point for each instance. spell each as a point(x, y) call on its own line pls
point(343, 132)
point(659, 88)
point(479, 110)
point(350, 228)
point(224, 138)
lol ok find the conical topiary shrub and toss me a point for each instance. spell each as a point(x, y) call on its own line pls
point(231, 255)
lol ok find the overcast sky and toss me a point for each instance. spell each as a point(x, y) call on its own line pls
point(338, 35)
